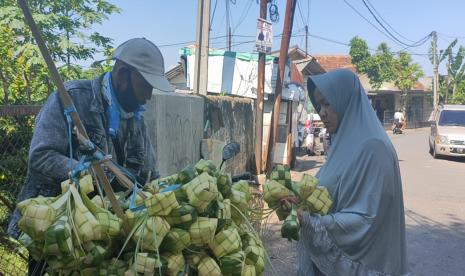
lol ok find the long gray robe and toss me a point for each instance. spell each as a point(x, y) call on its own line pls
point(364, 233)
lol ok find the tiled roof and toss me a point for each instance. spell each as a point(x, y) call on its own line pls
point(332, 62)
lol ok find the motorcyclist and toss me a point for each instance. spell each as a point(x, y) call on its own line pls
point(399, 118)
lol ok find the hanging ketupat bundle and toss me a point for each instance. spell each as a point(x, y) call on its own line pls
point(305, 194)
point(77, 234)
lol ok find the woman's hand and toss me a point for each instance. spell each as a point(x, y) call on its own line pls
point(287, 202)
point(300, 214)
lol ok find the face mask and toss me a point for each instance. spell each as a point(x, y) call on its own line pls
point(127, 99)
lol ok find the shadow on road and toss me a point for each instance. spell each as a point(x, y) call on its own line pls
point(452, 159)
point(439, 248)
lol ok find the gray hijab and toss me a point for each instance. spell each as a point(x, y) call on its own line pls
point(362, 175)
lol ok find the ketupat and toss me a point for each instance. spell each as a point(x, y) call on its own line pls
point(226, 242)
point(304, 194)
point(161, 204)
point(187, 174)
point(175, 263)
point(304, 188)
point(175, 241)
point(37, 216)
point(214, 232)
point(282, 174)
point(205, 166)
point(232, 264)
point(201, 191)
point(208, 267)
point(224, 183)
point(319, 201)
point(203, 230)
point(273, 192)
point(290, 228)
point(182, 216)
point(151, 233)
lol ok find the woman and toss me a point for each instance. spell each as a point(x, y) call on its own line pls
point(364, 233)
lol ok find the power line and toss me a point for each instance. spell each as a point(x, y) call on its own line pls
point(368, 21)
point(416, 44)
point(300, 12)
point(213, 14)
point(387, 23)
point(186, 42)
point(244, 14)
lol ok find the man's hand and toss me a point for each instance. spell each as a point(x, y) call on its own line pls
point(287, 202)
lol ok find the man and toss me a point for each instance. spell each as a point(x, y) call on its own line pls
point(110, 108)
point(400, 119)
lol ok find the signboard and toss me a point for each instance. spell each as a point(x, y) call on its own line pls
point(264, 38)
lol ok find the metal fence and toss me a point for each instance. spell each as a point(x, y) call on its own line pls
point(16, 128)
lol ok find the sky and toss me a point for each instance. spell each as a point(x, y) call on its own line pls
point(331, 23)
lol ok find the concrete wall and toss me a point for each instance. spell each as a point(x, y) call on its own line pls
point(233, 119)
point(175, 124)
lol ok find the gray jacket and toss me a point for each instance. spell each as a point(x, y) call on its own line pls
point(49, 161)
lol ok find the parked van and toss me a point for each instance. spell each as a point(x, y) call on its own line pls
point(447, 135)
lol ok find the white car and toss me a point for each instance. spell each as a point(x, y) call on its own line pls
point(447, 135)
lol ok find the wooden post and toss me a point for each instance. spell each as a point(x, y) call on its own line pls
point(287, 30)
point(259, 102)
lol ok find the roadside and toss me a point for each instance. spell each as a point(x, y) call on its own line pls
point(434, 201)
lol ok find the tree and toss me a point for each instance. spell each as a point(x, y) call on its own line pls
point(378, 67)
point(385, 66)
point(64, 25)
point(406, 74)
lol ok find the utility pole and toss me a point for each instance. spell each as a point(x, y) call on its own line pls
point(202, 47)
point(435, 70)
point(287, 31)
point(228, 26)
point(259, 103)
point(306, 41)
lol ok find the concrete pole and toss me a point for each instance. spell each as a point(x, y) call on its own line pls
point(259, 102)
point(201, 48)
point(287, 31)
point(435, 70)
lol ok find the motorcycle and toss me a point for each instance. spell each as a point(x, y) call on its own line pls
point(397, 128)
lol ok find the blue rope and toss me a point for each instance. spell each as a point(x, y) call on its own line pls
point(67, 111)
point(132, 203)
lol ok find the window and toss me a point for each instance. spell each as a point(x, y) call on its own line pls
point(452, 118)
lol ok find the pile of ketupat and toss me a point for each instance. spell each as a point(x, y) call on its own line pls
point(308, 195)
point(191, 223)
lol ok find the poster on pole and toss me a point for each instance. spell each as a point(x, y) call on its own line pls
point(264, 38)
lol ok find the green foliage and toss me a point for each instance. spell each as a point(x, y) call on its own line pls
point(359, 54)
point(384, 66)
point(65, 28)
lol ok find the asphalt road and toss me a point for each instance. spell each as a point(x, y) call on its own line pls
point(434, 199)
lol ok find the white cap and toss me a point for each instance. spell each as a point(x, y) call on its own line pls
point(147, 59)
